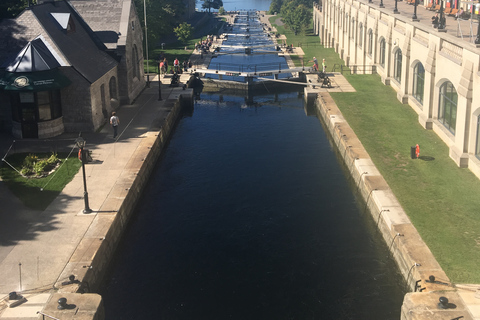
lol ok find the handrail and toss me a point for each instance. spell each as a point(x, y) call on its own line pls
point(46, 315)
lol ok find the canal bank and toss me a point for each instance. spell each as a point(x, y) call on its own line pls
point(65, 253)
point(428, 283)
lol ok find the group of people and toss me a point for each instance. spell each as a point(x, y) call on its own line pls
point(177, 68)
point(315, 65)
point(205, 45)
point(436, 22)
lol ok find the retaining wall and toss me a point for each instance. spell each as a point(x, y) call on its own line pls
point(413, 257)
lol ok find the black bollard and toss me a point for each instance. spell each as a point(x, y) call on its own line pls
point(62, 304)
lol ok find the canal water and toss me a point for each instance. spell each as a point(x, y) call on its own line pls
point(250, 215)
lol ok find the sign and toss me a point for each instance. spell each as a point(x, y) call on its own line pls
point(233, 74)
point(264, 74)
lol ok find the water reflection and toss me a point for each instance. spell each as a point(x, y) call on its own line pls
point(249, 216)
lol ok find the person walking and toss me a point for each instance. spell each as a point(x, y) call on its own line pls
point(324, 66)
point(114, 122)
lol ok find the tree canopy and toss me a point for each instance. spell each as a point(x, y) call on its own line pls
point(212, 4)
point(296, 15)
point(183, 32)
point(162, 17)
point(275, 6)
point(11, 8)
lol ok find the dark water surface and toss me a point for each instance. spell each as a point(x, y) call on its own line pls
point(249, 215)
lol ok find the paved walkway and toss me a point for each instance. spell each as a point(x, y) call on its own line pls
point(462, 29)
point(35, 246)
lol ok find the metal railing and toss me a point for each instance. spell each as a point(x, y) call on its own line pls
point(355, 69)
point(46, 315)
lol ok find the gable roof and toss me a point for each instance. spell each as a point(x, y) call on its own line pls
point(104, 17)
point(80, 47)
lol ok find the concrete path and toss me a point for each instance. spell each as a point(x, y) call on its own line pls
point(35, 246)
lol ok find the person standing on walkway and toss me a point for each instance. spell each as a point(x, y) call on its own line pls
point(114, 122)
point(324, 66)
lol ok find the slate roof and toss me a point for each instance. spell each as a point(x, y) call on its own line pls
point(78, 46)
point(103, 17)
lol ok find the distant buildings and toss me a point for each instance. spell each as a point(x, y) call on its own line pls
point(66, 65)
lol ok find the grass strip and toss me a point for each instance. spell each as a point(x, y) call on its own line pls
point(38, 193)
point(440, 198)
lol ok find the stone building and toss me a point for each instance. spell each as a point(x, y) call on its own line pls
point(66, 65)
point(433, 72)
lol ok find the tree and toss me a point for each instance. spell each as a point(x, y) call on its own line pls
point(162, 17)
point(221, 11)
point(183, 32)
point(212, 4)
point(296, 16)
point(11, 8)
point(275, 6)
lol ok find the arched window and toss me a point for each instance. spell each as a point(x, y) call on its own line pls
point(418, 82)
point(112, 88)
point(370, 42)
point(397, 66)
point(360, 34)
point(447, 106)
point(382, 52)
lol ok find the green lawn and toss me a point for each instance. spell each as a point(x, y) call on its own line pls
point(38, 193)
point(439, 197)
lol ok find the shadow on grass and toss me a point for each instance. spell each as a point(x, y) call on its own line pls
point(426, 158)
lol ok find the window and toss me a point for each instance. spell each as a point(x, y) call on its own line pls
point(370, 42)
point(45, 105)
point(352, 31)
point(360, 34)
point(477, 144)
point(397, 67)
point(418, 82)
point(447, 106)
point(382, 52)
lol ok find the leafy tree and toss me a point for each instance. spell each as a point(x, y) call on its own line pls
point(221, 11)
point(183, 32)
point(275, 6)
point(212, 4)
point(162, 17)
point(11, 8)
point(296, 15)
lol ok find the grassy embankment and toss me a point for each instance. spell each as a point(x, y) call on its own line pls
point(440, 198)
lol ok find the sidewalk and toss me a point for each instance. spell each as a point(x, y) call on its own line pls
point(43, 242)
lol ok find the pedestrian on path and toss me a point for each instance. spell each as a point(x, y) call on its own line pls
point(324, 66)
point(114, 122)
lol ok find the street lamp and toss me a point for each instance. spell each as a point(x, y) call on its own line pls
point(80, 142)
point(414, 18)
point(477, 39)
point(146, 40)
point(381, 4)
point(396, 10)
point(441, 24)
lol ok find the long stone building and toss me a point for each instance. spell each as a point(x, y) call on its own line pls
point(432, 71)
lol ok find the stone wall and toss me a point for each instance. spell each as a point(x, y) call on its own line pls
point(414, 259)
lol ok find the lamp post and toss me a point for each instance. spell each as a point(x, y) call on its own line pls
point(414, 18)
point(381, 4)
point(441, 23)
point(477, 39)
point(146, 40)
point(80, 142)
point(396, 10)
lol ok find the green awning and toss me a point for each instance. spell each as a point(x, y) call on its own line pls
point(34, 81)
